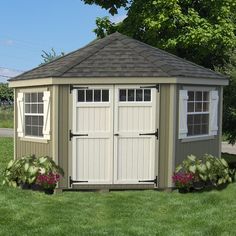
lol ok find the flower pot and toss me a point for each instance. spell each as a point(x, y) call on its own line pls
point(198, 185)
point(25, 186)
point(183, 190)
point(49, 191)
point(36, 187)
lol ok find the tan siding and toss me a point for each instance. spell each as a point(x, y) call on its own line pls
point(201, 147)
point(63, 132)
point(23, 148)
point(164, 134)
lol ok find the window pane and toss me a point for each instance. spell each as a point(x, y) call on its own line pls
point(191, 96)
point(198, 106)
point(34, 108)
point(131, 95)
point(35, 120)
point(41, 120)
point(89, 95)
point(197, 129)
point(35, 131)
point(81, 95)
point(40, 108)
point(40, 131)
point(190, 119)
point(122, 95)
point(27, 130)
point(147, 95)
point(105, 95)
point(206, 106)
point(197, 119)
point(190, 130)
point(198, 96)
point(97, 95)
point(205, 129)
point(27, 108)
point(205, 119)
point(139, 95)
point(190, 106)
point(27, 120)
point(205, 96)
point(34, 97)
point(27, 97)
point(40, 97)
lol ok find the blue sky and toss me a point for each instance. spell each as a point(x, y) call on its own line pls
point(28, 26)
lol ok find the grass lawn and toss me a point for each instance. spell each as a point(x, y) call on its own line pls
point(6, 117)
point(114, 213)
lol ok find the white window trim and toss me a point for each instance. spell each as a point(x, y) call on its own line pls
point(23, 137)
point(211, 134)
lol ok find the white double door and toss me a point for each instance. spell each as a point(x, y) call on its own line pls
point(114, 134)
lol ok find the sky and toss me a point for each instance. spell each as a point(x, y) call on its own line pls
point(29, 26)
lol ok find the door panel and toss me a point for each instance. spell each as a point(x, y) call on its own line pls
point(92, 154)
point(134, 154)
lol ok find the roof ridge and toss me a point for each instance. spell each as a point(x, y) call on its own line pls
point(75, 62)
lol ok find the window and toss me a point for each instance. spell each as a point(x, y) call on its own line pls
point(198, 113)
point(33, 115)
point(135, 95)
point(93, 95)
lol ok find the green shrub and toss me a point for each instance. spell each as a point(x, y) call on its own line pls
point(26, 170)
point(208, 169)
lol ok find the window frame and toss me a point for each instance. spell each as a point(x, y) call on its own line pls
point(135, 97)
point(203, 136)
point(33, 114)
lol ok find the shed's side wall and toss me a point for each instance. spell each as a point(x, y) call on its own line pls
point(63, 132)
point(22, 147)
point(200, 147)
point(167, 134)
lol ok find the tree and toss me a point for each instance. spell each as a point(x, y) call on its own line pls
point(229, 107)
point(6, 93)
point(50, 56)
point(202, 31)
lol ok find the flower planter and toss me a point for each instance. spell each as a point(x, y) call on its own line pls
point(36, 187)
point(198, 185)
point(49, 191)
point(25, 186)
point(183, 190)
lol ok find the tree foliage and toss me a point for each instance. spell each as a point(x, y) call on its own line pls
point(202, 31)
point(6, 93)
point(50, 56)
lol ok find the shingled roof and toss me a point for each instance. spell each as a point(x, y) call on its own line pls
point(118, 56)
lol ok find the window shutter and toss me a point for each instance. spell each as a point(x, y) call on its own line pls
point(20, 114)
point(46, 117)
point(183, 106)
point(214, 100)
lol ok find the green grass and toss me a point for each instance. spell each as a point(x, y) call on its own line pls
point(114, 213)
point(6, 117)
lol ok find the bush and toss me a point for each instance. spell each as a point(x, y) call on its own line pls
point(27, 169)
point(208, 169)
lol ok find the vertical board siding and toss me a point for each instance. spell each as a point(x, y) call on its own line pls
point(63, 132)
point(201, 147)
point(23, 148)
point(164, 135)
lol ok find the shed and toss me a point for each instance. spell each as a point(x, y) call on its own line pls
point(118, 114)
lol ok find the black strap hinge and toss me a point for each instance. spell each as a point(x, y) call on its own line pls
point(149, 181)
point(155, 134)
point(71, 135)
point(71, 181)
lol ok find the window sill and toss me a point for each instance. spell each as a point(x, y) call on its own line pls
point(197, 138)
point(34, 139)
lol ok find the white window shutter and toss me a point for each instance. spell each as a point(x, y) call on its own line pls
point(183, 106)
point(46, 118)
point(214, 100)
point(20, 114)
